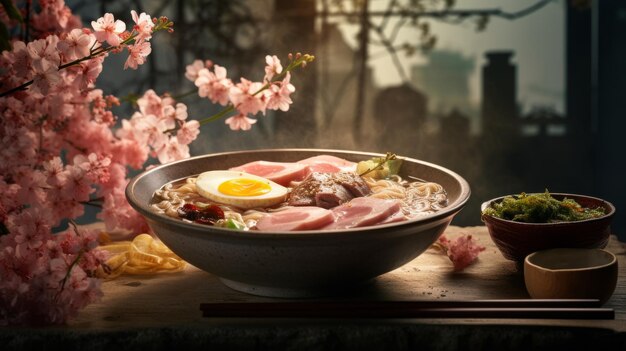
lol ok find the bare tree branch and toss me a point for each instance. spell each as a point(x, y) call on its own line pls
point(388, 13)
point(392, 51)
point(396, 30)
point(411, 13)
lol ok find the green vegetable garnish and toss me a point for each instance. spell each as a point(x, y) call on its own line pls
point(232, 224)
point(540, 208)
point(380, 167)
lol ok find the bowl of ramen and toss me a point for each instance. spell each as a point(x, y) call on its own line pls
point(298, 222)
point(525, 223)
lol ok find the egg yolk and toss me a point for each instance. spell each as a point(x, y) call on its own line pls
point(244, 187)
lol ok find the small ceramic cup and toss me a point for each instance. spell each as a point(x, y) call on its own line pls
point(571, 274)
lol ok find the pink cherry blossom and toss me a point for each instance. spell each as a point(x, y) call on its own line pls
point(172, 150)
point(117, 179)
point(154, 128)
point(143, 25)
point(78, 186)
point(31, 228)
point(8, 200)
point(107, 29)
point(63, 204)
point(130, 152)
point(278, 94)
point(117, 213)
point(62, 113)
point(273, 67)
point(55, 172)
point(462, 250)
point(150, 103)
point(54, 16)
point(188, 132)
point(191, 71)
point(174, 114)
point(77, 44)
point(21, 144)
point(88, 72)
point(242, 95)
point(19, 60)
point(137, 54)
point(214, 85)
point(44, 54)
point(240, 122)
point(32, 184)
point(100, 107)
point(44, 81)
point(181, 112)
point(95, 166)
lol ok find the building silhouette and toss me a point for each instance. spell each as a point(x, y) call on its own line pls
point(544, 122)
point(446, 79)
point(499, 94)
point(400, 114)
point(455, 126)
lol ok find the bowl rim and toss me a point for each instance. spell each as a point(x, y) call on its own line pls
point(584, 269)
point(146, 211)
point(488, 203)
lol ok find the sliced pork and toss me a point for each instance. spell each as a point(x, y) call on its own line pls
point(353, 183)
point(364, 211)
point(396, 217)
point(328, 164)
point(328, 190)
point(297, 218)
point(282, 173)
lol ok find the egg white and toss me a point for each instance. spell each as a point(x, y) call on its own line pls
point(208, 182)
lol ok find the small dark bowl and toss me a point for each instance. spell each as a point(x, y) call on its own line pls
point(516, 240)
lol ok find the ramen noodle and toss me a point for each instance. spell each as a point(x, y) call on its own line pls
point(416, 197)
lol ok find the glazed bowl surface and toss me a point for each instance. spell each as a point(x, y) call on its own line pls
point(516, 240)
point(302, 263)
point(571, 274)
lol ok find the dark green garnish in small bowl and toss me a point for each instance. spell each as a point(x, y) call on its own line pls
point(541, 208)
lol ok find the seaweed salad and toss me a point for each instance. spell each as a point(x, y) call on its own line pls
point(540, 208)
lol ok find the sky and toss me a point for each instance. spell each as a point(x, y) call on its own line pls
point(537, 39)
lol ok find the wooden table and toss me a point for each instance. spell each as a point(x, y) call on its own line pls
point(162, 311)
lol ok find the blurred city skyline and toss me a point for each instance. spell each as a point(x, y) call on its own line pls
point(537, 39)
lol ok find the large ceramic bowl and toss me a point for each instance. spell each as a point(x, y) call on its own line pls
point(516, 240)
point(295, 264)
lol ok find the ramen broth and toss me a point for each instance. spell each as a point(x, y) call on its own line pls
point(417, 198)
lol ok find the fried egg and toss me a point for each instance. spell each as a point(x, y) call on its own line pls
point(240, 189)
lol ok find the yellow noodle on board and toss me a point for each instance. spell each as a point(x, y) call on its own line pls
point(143, 255)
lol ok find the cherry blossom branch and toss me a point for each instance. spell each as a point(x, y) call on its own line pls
point(161, 24)
point(96, 202)
point(18, 88)
point(43, 189)
point(299, 61)
point(230, 108)
point(184, 95)
point(74, 262)
point(69, 271)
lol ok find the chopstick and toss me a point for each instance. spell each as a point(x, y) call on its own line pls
point(519, 308)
